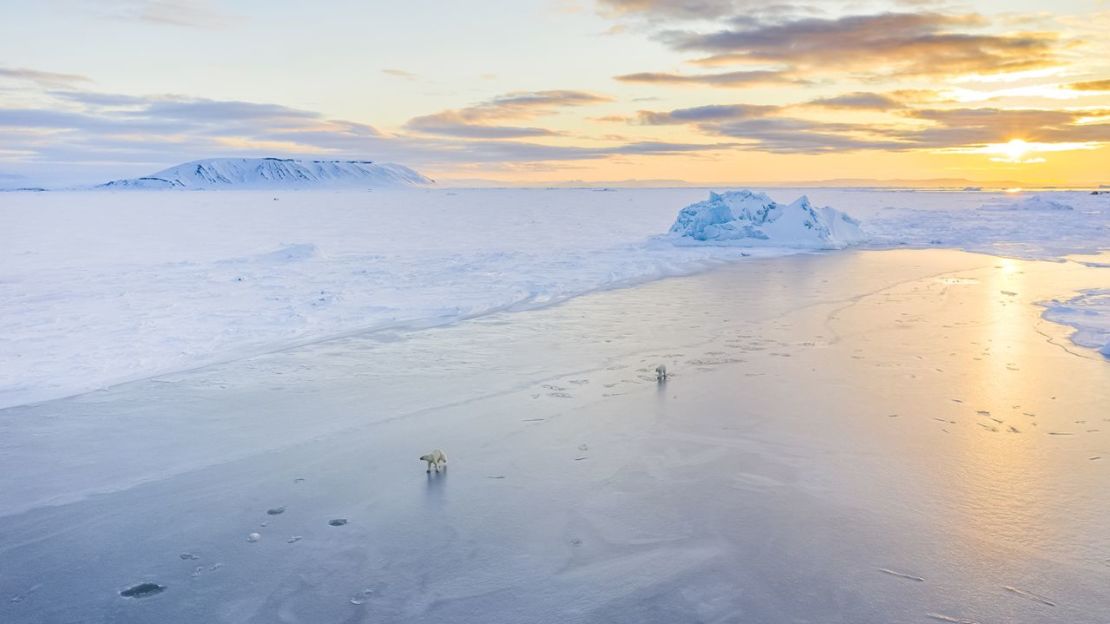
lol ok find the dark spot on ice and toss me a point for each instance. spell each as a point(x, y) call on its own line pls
point(188, 556)
point(142, 590)
point(337, 522)
point(298, 480)
point(275, 511)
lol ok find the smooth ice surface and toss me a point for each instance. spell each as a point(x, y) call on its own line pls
point(1089, 314)
point(98, 288)
point(859, 436)
point(272, 174)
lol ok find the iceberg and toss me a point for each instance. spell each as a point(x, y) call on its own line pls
point(750, 218)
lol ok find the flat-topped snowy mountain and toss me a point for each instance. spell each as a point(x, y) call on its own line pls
point(274, 173)
point(749, 218)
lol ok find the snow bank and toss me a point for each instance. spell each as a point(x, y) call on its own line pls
point(750, 218)
point(1089, 314)
point(273, 173)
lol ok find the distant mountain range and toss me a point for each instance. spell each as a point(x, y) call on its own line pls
point(273, 173)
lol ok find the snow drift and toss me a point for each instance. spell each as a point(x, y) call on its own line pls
point(274, 173)
point(749, 218)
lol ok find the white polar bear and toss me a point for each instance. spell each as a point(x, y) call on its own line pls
point(434, 459)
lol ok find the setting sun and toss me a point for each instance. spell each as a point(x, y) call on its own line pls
point(1016, 150)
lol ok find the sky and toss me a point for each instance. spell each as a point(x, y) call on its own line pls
point(539, 92)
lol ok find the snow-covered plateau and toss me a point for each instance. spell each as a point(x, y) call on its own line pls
point(273, 173)
point(100, 288)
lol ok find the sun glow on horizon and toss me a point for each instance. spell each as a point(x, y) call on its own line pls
point(1022, 152)
point(1016, 149)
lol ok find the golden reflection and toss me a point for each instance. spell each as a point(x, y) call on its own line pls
point(1009, 265)
point(1001, 452)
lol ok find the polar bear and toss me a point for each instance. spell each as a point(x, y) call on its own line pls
point(434, 459)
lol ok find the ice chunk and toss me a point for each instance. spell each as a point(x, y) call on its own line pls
point(750, 218)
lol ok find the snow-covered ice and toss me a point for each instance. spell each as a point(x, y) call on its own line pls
point(1039, 201)
point(997, 224)
point(99, 288)
point(1089, 314)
